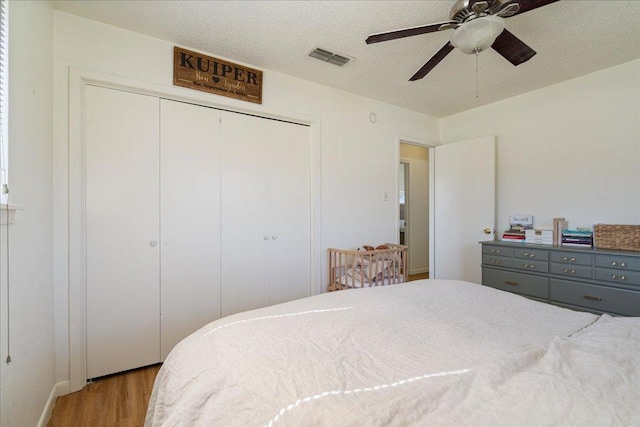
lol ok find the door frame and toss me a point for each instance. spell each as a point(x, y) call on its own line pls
point(430, 145)
point(74, 211)
point(407, 202)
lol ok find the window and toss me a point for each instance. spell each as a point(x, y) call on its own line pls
point(4, 99)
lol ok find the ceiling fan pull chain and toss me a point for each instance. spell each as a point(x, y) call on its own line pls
point(477, 81)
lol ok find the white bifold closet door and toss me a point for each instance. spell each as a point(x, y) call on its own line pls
point(190, 219)
point(153, 226)
point(122, 230)
point(266, 212)
point(191, 213)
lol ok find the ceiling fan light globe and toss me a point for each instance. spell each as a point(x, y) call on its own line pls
point(478, 34)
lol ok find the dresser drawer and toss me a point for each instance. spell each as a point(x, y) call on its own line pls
point(571, 257)
point(618, 262)
point(618, 276)
point(497, 261)
point(497, 250)
point(534, 254)
point(531, 265)
point(611, 300)
point(519, 283)
point(570, 270)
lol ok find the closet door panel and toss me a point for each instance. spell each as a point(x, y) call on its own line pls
point(122, 224)
point(290, 195)
point(245, 234)
point(190, 220)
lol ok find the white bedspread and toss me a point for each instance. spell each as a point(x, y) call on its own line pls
point(421, 353)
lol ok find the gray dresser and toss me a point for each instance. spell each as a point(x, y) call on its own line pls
point(596, 280)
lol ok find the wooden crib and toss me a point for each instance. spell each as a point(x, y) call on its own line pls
point(363, 268)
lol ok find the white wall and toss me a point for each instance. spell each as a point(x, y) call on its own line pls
point(357, 158)
point(29, 379)
point(570, 150)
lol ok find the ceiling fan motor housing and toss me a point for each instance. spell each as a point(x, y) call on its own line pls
point(463, 10)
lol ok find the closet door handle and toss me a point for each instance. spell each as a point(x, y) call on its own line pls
point(274, 237)
point(153, 243)
point(266, 237)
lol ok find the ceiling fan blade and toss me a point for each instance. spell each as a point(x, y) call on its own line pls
point(448, 26)
point(512, 48)
point(407, 32)
point(435, 60)
point(527, 5)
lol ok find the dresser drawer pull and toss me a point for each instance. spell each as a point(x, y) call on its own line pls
point(616, 264)
point(529, 255)
point(615, 277)
point(496, 261)
point(591, 297)
point(566, 258)
point(495, 251)
point(511, 283)
point(529, 266)
point(572, 271)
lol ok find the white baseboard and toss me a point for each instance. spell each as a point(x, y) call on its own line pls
point(59, 389)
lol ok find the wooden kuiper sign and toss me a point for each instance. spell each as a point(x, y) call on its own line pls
point(209, 74)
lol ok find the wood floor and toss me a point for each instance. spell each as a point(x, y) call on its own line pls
point(418, 276)
point(117, 400)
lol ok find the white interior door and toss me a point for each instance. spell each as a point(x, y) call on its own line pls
point(290, 194)
point(245, 229)
point(190, 220)
point(464, 207)
point(122, 230)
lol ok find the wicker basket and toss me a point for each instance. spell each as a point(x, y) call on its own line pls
point(620, 237)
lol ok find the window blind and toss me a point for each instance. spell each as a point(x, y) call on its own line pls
point(4, 99)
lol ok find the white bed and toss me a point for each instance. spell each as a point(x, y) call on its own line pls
point(429, 352)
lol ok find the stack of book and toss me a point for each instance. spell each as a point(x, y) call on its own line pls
point(539, 237)
point(578, 238)
point(514, 235)
point(518, 225)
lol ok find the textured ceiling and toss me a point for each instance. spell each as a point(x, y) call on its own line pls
point(572, 38)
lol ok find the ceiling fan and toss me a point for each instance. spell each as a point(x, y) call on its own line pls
point(477, 26)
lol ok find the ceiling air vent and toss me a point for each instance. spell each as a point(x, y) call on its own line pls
point(326, 56)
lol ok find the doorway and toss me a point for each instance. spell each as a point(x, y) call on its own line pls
point(403, 182)
point(413, 207)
